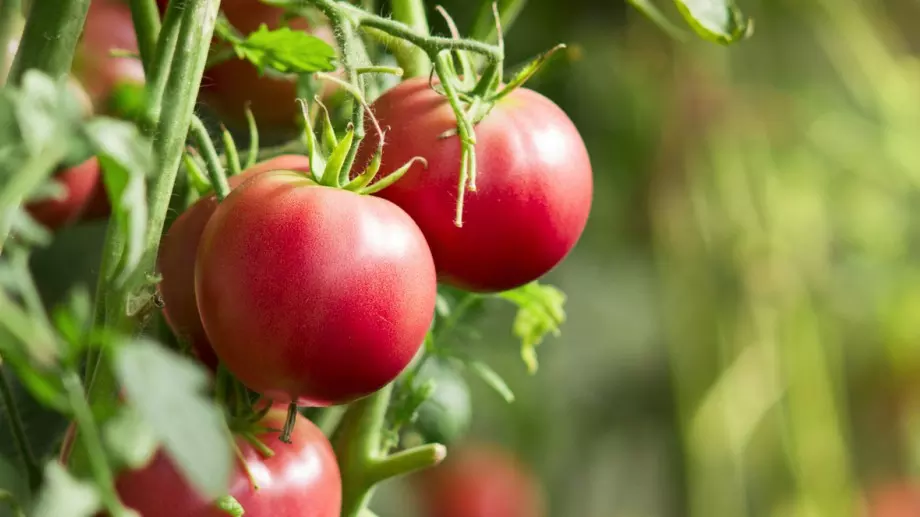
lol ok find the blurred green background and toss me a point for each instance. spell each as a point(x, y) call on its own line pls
point(743, 334)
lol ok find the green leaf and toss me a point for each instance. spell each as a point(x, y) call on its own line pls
point(720, 21)
point(230, 506)
point(130, 439)
point(64, 496)
point(36, 343)
point(442, 306)
point(72, 319)
point(286, 51)
point(491, 378)
point(126, 159)
point(29, 231)
point(167, 390)
point(541, 310)
point(15, 486)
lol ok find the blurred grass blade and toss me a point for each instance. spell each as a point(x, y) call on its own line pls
point(654, 14)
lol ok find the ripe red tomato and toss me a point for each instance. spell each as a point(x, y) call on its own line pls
point(228, 86)
point(79, 182)
point(898, 500)
point(311, 293)
point(479, 481)
point(176, 260)
point(302, 479)
point(534, 184)
point(108, 27)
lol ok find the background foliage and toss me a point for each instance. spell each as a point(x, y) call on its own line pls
point(743, 335)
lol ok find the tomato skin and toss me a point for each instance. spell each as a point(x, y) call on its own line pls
point(311, 293)
point(302, 479)
point(534, 184)
point(895, 500)
point(176, 259)
point(479, 481)
point(108, 27)
point(79, 182)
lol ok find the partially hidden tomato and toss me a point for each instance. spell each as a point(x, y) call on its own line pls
point(228, 86)
point(108, 27)
point(78, 184)
point(534, 184)
point(313, 294)
point(479, 480)
point(895, 500)
point(176, 259)
point(301, 479)
point(445, 417)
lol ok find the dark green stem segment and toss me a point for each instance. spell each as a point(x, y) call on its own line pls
point(92, 444)
point(50, 37)
point(413, 61)
point(146, 18)
point(10, 18)
point(21, 439)
point(358, 444)
point(215, 170)
point(198, 18)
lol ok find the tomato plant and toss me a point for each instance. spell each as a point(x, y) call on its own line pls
point(300, 479)
point(177, 257)
point(533, 191)
point(307, 279)
point(480, 481)
point(359, 263)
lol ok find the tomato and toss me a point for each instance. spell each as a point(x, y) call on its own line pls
point(79, 182)
point(310, 293)
point(479, 481)
point(445, 417)
point(228, 86)
point(302, 479)
point(176, 260)
point(534, 184)
point(108, 27)
point(896, 500)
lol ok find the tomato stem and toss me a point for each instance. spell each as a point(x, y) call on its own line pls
point(253, 155)
point(20, 438)
point(10, 19)
point(146, 18)
point(92, 443)
point(50, 38)
point(216, 172)
point(289, 423)
point(414, 61)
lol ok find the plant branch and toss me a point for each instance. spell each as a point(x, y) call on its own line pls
point(161, 64)
point(89, 433)
point(49, 38)
point(146, 18)
point(10, 18)
point(21, 439)
point(216, 172)
point(413, 61)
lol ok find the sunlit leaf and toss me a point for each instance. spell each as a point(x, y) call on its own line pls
point(126, 158)
point(286, 51)
point(130, 439)
point(64, 496)
point(167, 391)
point(541, 310)
point(720, 21)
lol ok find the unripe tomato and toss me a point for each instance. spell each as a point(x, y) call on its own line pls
point(108, 27)
point(479, 481)
point(79, 182)
point(445, 417)
point(534, 184)
point(310, 293)
point(176, 260)
point(302, 479)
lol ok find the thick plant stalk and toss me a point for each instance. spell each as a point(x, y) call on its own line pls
point(10, 16)
point(412, 60)
point(50, 37)
point(146, 20)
